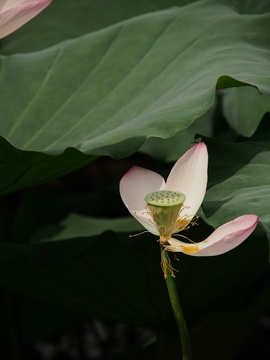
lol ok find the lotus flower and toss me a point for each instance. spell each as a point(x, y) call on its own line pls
point(15, 13)
point(167, 208)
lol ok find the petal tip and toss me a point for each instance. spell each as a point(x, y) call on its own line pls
point(200, 145)
point(251, 220)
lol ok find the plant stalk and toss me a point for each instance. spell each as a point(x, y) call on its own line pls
point(174, 299)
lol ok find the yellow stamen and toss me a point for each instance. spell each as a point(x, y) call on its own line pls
point(141, 233)
point(189, 248)
point(166, 265)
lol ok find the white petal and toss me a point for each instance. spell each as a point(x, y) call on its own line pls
point(189, 176)
point(146, 220)
point(227, 236)
point(134, 186)
point(223, 239)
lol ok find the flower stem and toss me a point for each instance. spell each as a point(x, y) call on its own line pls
point(174, 299)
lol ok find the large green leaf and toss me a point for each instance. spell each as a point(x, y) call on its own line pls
point(23, 169)
point(108, 91)
point(75, 226)
point(239, 180)
point(66, 19)
point(171, 149)
point(244, 108)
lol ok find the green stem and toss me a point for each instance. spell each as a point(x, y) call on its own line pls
point(174, 299)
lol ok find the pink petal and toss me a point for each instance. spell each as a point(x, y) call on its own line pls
point(189, 176)
point(15, 13)
point(227, 236)
point(146, 220)
point(134, 186)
